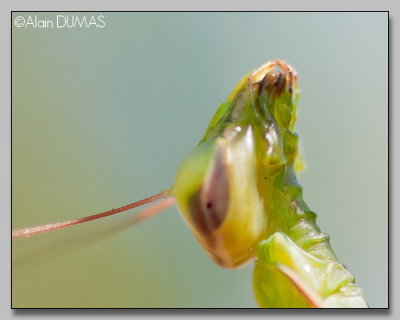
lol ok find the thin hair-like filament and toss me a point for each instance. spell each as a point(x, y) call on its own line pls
point(168, 201)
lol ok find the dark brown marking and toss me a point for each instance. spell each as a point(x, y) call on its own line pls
point(273, 82)
point(209, 206)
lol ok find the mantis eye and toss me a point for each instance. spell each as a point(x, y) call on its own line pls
point(217, 191)
point(209, 205)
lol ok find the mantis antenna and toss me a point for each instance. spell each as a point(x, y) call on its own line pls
point(141, 215)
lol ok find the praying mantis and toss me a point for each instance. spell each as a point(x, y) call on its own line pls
point(238, 192)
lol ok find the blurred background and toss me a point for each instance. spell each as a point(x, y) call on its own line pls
point(102, 117)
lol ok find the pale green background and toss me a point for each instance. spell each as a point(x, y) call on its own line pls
point(103, 117)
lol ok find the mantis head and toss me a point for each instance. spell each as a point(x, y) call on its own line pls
point(225, 187)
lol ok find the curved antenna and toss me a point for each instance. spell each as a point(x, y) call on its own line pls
point(148, 212)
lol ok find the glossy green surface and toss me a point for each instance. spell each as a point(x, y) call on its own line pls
point(243, 152)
